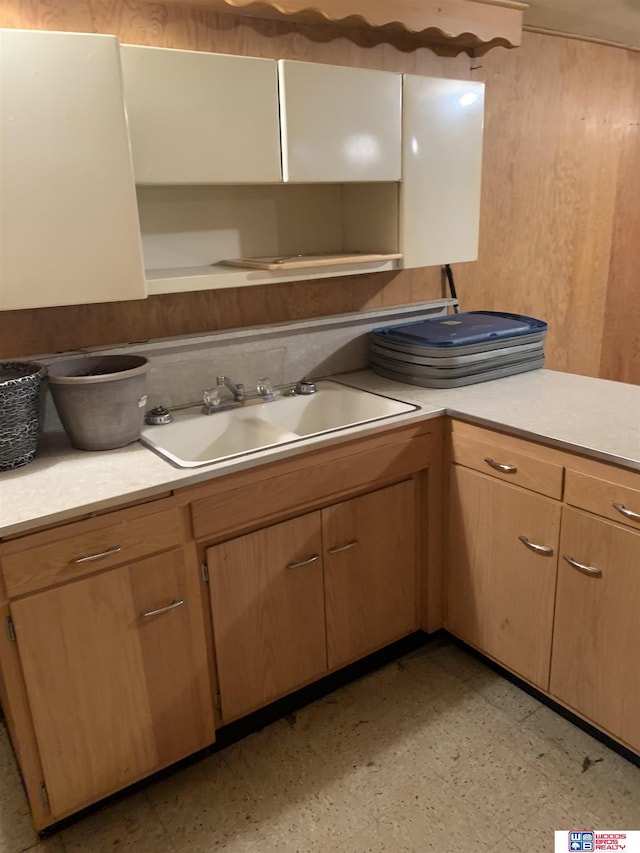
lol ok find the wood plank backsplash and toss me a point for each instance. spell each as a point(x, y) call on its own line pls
point(560, 224)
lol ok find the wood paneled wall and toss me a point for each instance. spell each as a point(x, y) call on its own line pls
point(560, 216)
point(560, 221)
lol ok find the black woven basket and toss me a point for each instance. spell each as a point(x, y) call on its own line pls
point(20, 411)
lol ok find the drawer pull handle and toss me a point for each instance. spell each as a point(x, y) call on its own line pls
point(546, 550)
point(347, 547)
point(108, 553)
point(499, 466)
point(628, 513)
point(311, 559)
point(581, 567)
point(177, 603)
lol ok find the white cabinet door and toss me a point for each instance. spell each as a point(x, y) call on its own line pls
point(339, 124)
point(442, 161)
point(68, 213)
point(201, 118)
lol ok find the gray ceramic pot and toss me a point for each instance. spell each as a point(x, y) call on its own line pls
point(100, 399)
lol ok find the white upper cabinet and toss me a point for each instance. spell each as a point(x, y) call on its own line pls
point(339, 124)
point(442, 161)
point(68, 214)
point(201, 118)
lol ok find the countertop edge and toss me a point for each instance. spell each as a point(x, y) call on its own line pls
point(572, 447)
point(162, 477)
point(185, 477)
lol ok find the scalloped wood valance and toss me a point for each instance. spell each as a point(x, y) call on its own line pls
point(456, 25)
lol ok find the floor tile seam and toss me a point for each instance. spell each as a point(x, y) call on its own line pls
point(551, 778)
point(431, 777)
point(534, 772)
point(158, 816)
point(560, 777)
point(34, 847)
point(512, 827)
point(473, 811)
point(464, 679)
point(406, 839)
point(530, 811)
point(282, 797)
point(529, 713)
point(525, 818)
point(554, 773)
point(392, 810)
point(571, 727)
point(21, 846)
point(415, 675)
point(319, 753)
point(600, 787)
point(353, 835)
point(496, 705)
point(496, 844)
point(551, 744)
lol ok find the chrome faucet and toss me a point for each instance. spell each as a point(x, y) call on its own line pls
point(236, 390)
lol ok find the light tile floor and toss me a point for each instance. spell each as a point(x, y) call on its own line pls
point(433, 752)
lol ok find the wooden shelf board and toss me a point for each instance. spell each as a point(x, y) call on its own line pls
point(292, 262)
point(218, 276)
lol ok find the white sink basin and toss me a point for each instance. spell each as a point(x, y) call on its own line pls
point(332, 407)
point(195, 439)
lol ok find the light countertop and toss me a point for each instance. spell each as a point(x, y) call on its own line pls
point(590, 416)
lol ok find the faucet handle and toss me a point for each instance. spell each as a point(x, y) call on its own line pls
point(265, 388)
point(306, 386)
point(211, 398)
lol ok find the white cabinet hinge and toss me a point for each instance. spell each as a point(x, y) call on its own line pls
point(218, 701)
point(11, 630)
point(43, 794)
point(205, 572)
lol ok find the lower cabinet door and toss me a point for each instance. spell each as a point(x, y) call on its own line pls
point(268, 613)
point(370, 552)
point(500, 589)
point(596, 641)
point(117, 676)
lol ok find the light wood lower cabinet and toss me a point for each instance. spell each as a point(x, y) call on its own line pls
point(567, 623)
point(501, 591)
point(370, 572)
point(108, 661)
point(596, 644)
point(298, 599)
point(267, 595)
point(115, 692)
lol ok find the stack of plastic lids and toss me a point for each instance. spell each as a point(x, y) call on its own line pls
point(458, 349)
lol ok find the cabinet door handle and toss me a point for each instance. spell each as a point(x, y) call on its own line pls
point(299, 565)
point(581, 567)
point(500, 466)
point(628, 513)
point(177, 603)
point(115, 550)
point(546, 550)
point(351, 544)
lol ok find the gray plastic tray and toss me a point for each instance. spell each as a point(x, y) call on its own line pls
point(444, 382)
point(495, 357)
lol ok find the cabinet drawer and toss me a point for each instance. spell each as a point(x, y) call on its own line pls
point(332, 476)
point(498, 459)
point(604, 497)
point(98, 543)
